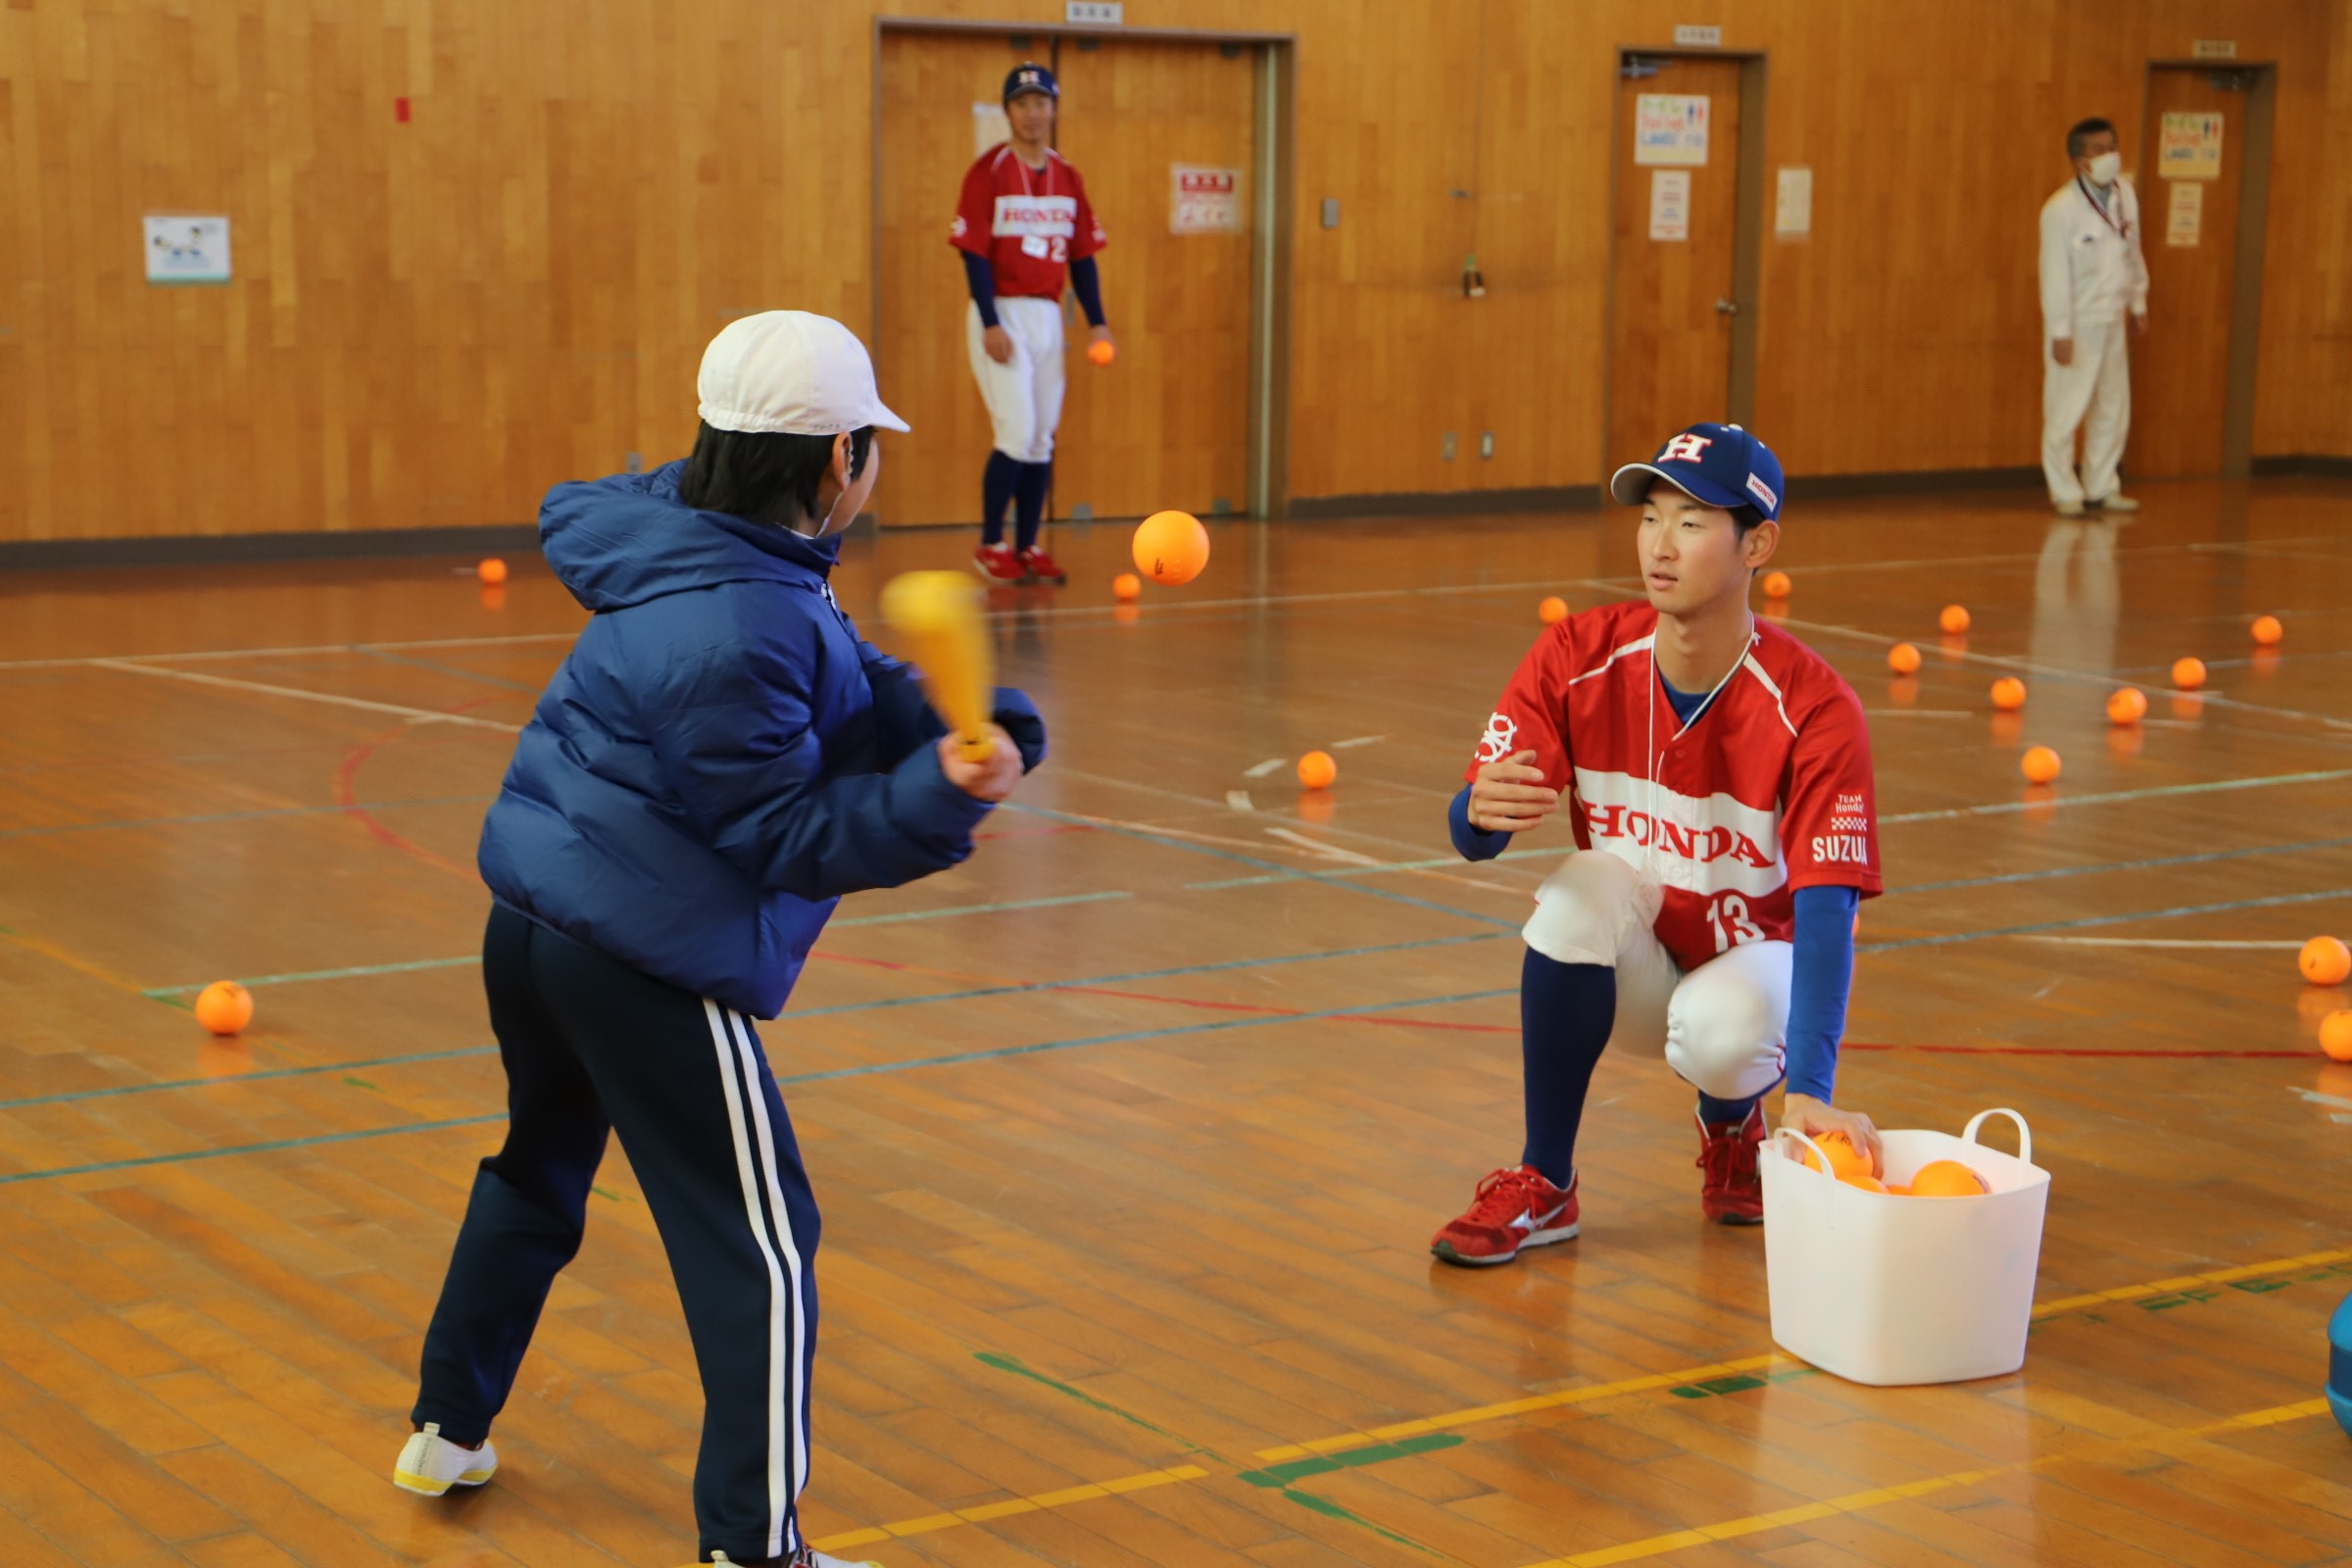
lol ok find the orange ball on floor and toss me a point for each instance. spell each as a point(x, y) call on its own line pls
point(492, 570)
point(224, 1007)
point(2127, 707)
point(2040, 764)
point(1776, 585)
point(2324, 962)
point(2008, 694)
point(2336, 1033)
point(1126, 586)
point(2266, 630)
point(2188, 675)
point(1903, 659)
point(1954, 619)
point(1171, 547)
point(1317, 771)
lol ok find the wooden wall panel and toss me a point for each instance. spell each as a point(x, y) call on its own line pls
point(433, 320)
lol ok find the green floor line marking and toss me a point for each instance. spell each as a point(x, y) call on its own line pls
point(1716, 1387)
point(1006, 908)
point(1332, 1511)
point(355, 973)
point(1021, 1369)
point(1281, 1475)
point(361, 1083)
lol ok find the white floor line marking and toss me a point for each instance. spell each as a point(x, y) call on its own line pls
point(417, 715)
point(2137, 942)
point(1320, 848)
point(1272, 764)
point(1240, 800)
point(2216, 786)
point(2318, 1099)
point(1360, 740)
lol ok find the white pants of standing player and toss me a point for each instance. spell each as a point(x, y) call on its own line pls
point(2099, 383)
point(1724, 1026)
point(1023, 396)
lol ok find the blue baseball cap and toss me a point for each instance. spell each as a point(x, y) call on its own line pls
point(1030, 76)
point(1720, 464)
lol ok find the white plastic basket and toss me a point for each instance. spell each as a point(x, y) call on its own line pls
point(1885, 1290)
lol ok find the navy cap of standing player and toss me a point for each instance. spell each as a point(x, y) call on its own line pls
point(1030, 76)
point(1717, 464)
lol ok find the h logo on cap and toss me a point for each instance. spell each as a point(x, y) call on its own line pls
point(1029, 79)
point(1685, 447)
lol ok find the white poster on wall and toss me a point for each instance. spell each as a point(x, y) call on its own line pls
point(2185, 215)
point(1670, 204)
point(1203, 201)
point(2188, 146)
point(1792, 210)
point(1671, 129)
point(186, 250)
point(988, 126)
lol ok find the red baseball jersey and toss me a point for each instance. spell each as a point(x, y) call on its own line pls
point(1767, 791)
point(1029, 223)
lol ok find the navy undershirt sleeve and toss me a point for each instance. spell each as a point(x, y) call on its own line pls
point(1086, 282)
point(1822, 974)
point(1472, 843)
point(981, 279)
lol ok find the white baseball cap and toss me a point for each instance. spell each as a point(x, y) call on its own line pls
point(790, 373)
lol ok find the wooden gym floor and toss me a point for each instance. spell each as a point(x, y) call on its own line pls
point(1129, 1134)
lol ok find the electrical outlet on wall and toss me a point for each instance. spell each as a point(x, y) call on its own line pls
point(1486, 443)
point(1445, 445)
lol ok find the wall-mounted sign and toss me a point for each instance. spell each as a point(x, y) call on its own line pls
point(1203, 201)
point(989, 127)
point(2213, 49)
point(2188, 145)
point(1792, 210)
point(186, 250)
point(2185, 214)
point(1670, 204)
point(1686, 36)
point(1671, 129)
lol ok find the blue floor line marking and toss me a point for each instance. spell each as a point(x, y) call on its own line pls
point(100, 1166)
point(70, 1095)
point(128, 823)
point(978, 909)
point(2120, 866)
point(2104, 919)
point(454, 670)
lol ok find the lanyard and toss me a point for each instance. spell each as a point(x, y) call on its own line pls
point(1026, 188)
point(2124, 230)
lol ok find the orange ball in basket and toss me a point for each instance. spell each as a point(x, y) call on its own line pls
point(1954, 619)
point(2127, 707)
point(1551, 612)
point(1903, 659)
point(1317, 771)
point(2008, 694)
point(2188, 675)
point(1864, 1180)
point(2267, 631)
point(1949, 1178)
point(2336, 1033)
point(224, 1007)
point(2324, 962)
point(1844, 1158)
point(1776, 585)
point(1171, 547)
point(2040, 764)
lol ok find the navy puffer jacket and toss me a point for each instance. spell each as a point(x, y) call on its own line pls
point(720, 756)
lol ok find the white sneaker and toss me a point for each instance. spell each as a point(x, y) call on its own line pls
point(431, 1464)
point(2068, 508)
point(807, 1558)
point(2119, 503)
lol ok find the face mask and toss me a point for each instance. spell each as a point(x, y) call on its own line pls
point(2104, 169)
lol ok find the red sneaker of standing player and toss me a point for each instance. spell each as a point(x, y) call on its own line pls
point(998, 563)
point(1042, 566)
point(1732, 1193)
point(1515, 1207)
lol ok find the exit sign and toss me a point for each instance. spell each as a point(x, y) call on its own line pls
point(2214, 49)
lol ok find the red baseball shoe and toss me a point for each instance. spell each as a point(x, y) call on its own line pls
point(1042, 566)
point(1731, 1192)
point(1515, 1207)
point(998, 563)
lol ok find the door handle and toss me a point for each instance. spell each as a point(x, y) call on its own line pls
point(1726, 308)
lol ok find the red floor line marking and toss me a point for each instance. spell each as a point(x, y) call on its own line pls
point(2082, 1051)
point(347, 794)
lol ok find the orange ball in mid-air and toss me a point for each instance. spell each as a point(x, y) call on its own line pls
point(1126, 587)
point(2336, 1033)
point(2324, 962)
point(491, 570)
point(2127, 707)
point(224, 1007)
point(1949, 1178)
point(1903, 659)
point(2188, 675)
point(2040, 765)
point(1103, 353)
point(1551, 612)
point(2266, 630)
point(1317, 771)
point(1776, 585)
point(2008, 694)
point(1954, 619)
point(1171, 547)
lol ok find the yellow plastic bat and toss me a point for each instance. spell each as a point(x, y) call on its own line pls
point(937, 614)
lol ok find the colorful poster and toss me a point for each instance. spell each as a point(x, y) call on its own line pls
point(2188, 146)
point(186, 250)
point(1670, 204)
point(1203, 201)
point(1671, 129)
point(2184, 217)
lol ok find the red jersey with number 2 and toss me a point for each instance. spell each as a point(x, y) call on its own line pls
point(1767, 791)
point(1030, 223)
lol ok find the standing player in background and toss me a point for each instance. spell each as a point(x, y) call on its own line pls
point(1024, 225)
point(1721, 796)
point(2094, 278)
